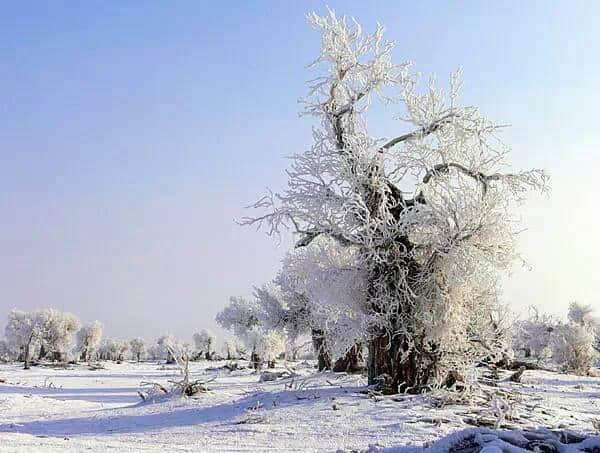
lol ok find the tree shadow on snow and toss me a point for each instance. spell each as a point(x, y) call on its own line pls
point(114, 376)
point(170, 417)
point(124, 395)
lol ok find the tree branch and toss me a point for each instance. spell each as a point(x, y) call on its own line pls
point(420, 133)
point(445, 168)
point(312, 235)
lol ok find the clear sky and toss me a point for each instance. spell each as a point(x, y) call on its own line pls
point(133, 133)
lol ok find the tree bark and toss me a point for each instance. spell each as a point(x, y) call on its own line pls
point(380, 366)
point(403, 361)
point(385, 370)
point(170, 358)
point(403, 371)
point(320, 347)
point(26, 355)
point(256, 360)
point(351, 362)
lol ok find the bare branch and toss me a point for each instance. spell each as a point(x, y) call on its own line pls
point(310, 236)
point(420, 133)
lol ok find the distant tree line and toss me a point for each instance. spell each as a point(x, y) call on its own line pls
point(53, 335)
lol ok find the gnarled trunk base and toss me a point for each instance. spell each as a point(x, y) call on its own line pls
point(390, 375)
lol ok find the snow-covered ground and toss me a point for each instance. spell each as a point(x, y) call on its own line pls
point(76, 409)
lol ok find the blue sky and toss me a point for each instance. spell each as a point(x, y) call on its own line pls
point(131, 136)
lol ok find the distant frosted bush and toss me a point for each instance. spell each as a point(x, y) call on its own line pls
point(573, 347)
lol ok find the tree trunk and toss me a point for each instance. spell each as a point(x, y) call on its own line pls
point(351, 361)
point(170, 358)
point(400, 362)
point(255, 360)
point(323, 359)
point(26, 355)
point(384, 369)
point(380, 366)
point(412, 375)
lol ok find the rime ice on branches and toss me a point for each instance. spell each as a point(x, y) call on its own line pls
point(430, 210)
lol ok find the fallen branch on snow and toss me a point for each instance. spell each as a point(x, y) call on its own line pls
point(182, 387)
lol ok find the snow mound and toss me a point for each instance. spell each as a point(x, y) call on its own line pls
point(483, 440)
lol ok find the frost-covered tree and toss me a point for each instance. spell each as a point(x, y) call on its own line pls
point(106, 348)
point(265, 347)
point(155, 352)
point(89, 338)
point(57, 333)
point(302, 301)
point(251, 322)
point(229, 350)
point(502, 324)
point(204, 342)
point(23, 332)
point(299, 348)
point(241, 316)
point(167, 346)
point(233, 349)
point(583, 315)
point(312, 282)
point(576, 345)
point(6, 354)
point(114, 349)
point(137, 347)
point(120, 350)
point(573, 347)
point(570, 346)
point(48, 333)
point(532, 336)
point(430, 211)
point(270, 347)
point(241, 351)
